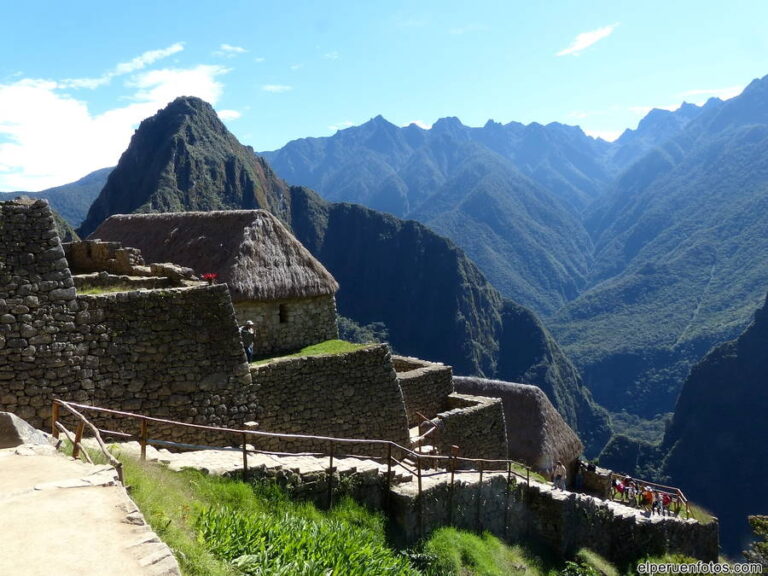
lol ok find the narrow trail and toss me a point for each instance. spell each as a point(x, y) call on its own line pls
point(696, 310)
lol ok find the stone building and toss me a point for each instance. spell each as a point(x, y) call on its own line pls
point(274, 281)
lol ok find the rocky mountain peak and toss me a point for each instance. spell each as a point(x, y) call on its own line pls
point(184, 158)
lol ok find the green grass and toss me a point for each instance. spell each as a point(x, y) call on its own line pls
point(327, 347)
point(596, 562)
point(458, 553)
point(700, 514)
point(218, 526)
point(86, 289)
point(224, 527)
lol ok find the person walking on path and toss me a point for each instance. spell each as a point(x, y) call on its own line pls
point(560, 475)
point(248, 337)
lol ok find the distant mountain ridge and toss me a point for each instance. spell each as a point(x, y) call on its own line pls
point(640, 254)
point(679, 256)
point(434, 301)
point(481, 187)
point(72, 201)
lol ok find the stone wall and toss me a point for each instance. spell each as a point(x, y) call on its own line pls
point(473, 423)
point(39, 357)
point(289, 325)
point(564, 522)
point(103, 280)
point(95, 256)
point(352, 395)
point(172, 354)
point(425, 385)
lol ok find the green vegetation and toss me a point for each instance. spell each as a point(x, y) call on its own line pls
point(91, 290)
point(218, 526)
point(594, 561)
point(458, 553)
point(758, 549)
point(351, 331)
point(327, 347)
point(700, 514)
point(224, 527)
point(650, 430)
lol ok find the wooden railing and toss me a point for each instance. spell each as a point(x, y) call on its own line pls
point(675, 493)
point(410, 460)
point(76, 439)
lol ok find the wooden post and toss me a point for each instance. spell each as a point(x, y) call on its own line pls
point(143, 439)
point(506, 501)
point(421, 504)
point(479, 498)
point(54, 419)
point(330, 478)
point(452, 464)
point(245, 456)
point(78, 438)
point(387, 494)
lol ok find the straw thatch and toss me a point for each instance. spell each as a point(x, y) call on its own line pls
point(536, 433)
point(250, 250)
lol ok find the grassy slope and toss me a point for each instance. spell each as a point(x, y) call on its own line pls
point(209, 522)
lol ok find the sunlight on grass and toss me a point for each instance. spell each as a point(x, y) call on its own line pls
point(327, 347)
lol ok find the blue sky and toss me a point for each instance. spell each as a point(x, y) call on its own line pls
point(77, 77)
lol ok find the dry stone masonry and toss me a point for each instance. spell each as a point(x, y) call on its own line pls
point(286, 325)
point(426, 386)
point(352, 395)
point(168, 353)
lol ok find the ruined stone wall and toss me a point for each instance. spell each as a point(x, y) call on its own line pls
point(39, 357)
point(473, 423)
point(565, 522)
point(103, 280)
point(172, 354)
point(289, 325)
point(96, 256)
point(352, 395)
point(425, 386)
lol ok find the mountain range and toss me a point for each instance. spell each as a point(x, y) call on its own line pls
point(715, 447)
point(640, 254)
point(435, 303)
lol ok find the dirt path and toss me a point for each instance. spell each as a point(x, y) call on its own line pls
point(66, 518)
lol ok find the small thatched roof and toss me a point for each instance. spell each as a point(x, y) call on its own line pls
point(536, 433)
point(250, 250)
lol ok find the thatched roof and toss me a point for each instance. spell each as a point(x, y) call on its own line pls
point(250, 250)
point(536, 433)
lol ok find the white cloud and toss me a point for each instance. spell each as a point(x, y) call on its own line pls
point(331, 55)
point(276, 88)
point(229, 51)
point(701, 95)
point(166, 84)
point(341, 125)
point(48, 137)
point(419, 123)
point(139, 63)
point(643, 110)
point(229, 114)
point(609, 135)
point(259, 59)
point(587, 39)
point(297, 66)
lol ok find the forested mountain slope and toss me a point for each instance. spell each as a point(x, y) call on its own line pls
point(434, 301)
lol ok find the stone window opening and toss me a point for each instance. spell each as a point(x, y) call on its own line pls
point(283, 314)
